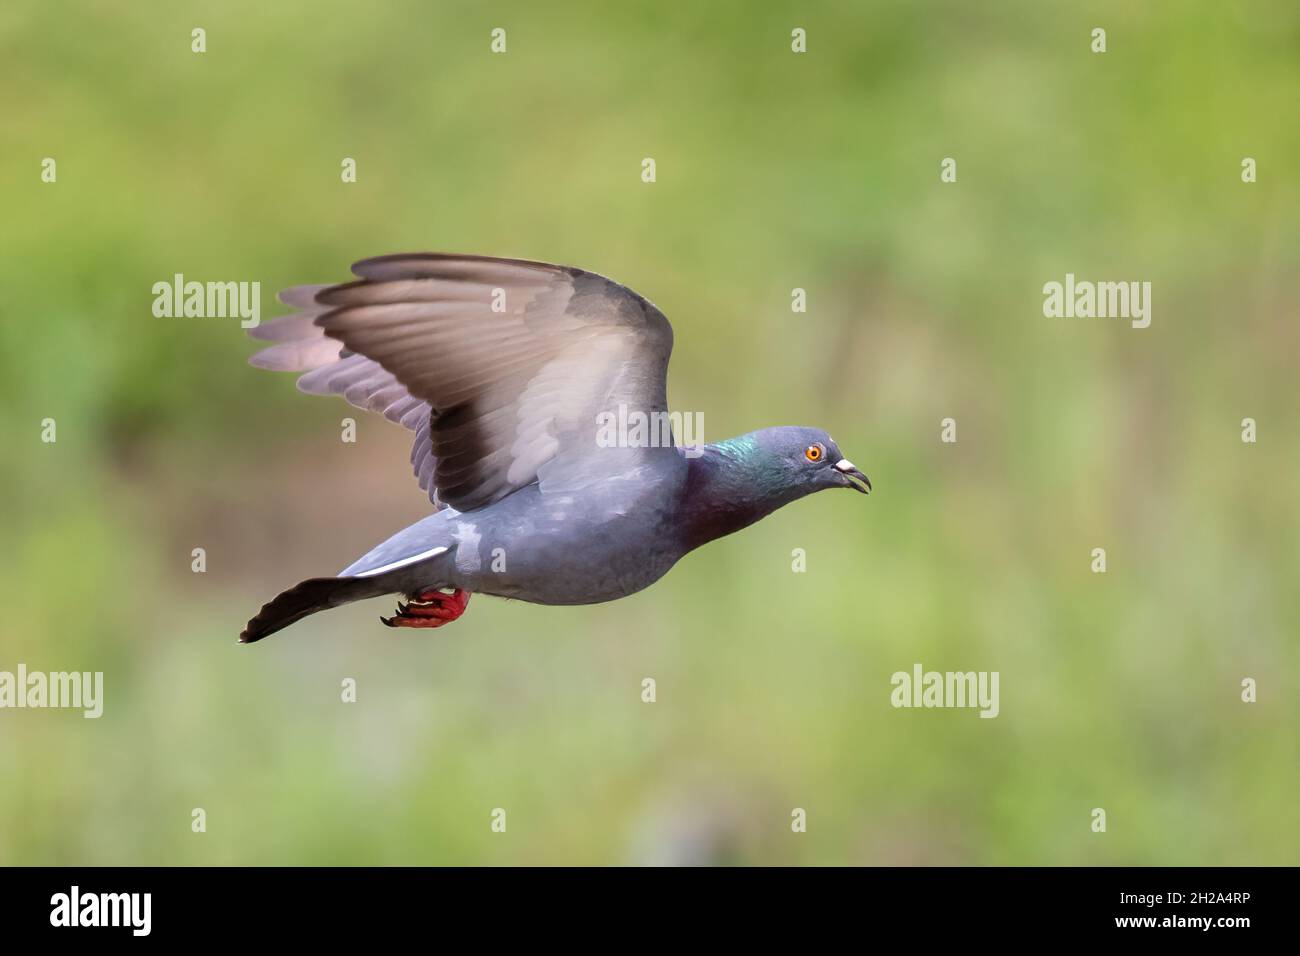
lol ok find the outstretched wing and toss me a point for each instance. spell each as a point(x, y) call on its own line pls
point(502, 367)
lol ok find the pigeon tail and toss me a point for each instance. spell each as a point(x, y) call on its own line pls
point(308, 597)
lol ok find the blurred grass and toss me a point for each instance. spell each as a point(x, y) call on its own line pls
point(774, 171)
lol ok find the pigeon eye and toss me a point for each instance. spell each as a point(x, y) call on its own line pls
point(814, 452)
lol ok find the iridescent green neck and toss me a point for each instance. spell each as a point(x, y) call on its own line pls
point(739, 448)
point(729, 487)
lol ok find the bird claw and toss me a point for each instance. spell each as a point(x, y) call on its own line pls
point(432, 608)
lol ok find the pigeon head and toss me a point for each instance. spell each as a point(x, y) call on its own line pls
point(800, 460)
point(740, 480)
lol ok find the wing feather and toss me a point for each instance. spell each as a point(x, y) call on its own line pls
point(501, 367)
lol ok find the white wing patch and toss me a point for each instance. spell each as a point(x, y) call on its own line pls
point(403, 562)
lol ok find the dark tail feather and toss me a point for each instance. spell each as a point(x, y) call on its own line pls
point(312, 595)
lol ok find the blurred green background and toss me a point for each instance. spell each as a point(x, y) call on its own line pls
point(775, 171)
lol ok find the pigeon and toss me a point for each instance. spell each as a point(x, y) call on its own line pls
point(509, 373)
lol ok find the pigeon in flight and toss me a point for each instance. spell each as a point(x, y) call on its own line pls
point(507, 371)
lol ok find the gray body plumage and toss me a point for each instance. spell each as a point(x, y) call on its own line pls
point(608, 542)
point(503, 370)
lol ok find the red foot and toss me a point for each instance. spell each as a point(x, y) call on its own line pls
point(432, 608)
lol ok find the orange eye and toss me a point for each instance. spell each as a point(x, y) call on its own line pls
point(813, 453)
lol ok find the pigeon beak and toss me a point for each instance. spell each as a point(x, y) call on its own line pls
point(853, 478)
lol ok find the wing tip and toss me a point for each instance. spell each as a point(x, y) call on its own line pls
point(301, 296)
point(259, 360)
point(378, 268)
